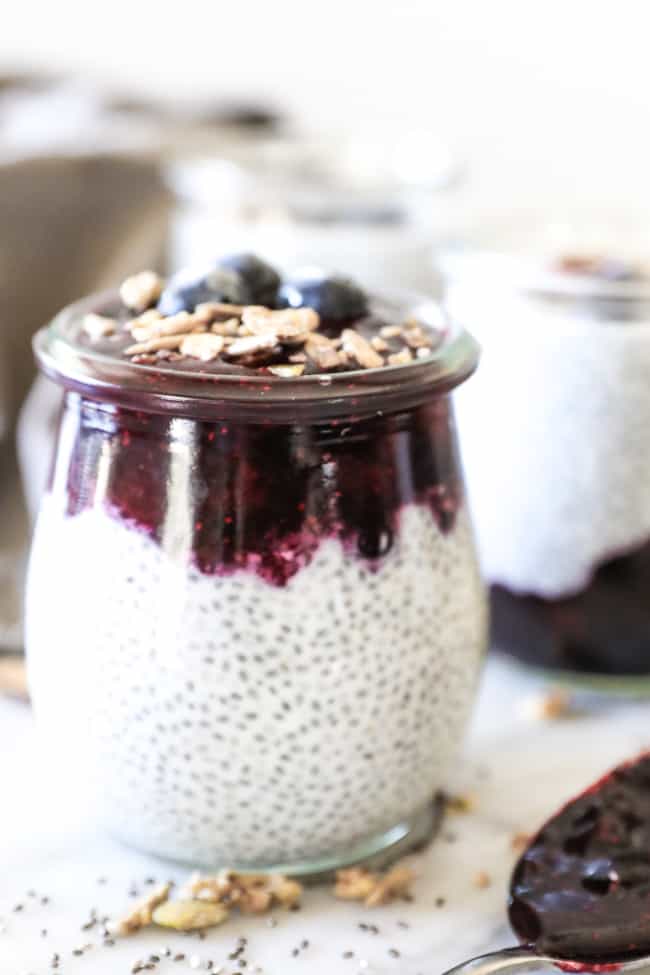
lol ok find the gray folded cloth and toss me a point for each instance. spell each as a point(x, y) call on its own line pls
point(71, 224)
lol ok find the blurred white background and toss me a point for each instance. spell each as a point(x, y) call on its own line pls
point(551, 94)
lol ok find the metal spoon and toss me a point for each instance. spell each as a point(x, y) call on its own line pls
point(524, 956)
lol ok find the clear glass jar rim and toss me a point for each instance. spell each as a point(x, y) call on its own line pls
point(359, 392)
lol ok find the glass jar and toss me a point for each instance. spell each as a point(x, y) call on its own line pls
point(266, 638)
point(554, 436)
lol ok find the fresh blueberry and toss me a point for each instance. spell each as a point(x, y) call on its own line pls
point(336, 299)
point(188, 288)
point(260, 278)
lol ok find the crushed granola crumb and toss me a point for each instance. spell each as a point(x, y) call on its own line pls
point(323, 351)
point(390, 331)
point(400, 358)
point(288, 324)
point(178, 324)
point(204, 346)
point(287, 370)
point(252, 345)
point(152, 345)
point(415, 336)
point(460, 804)
point(548, 706)
point(190, 915)
point(98, 326)
point(359, 349)
point(228, 327)
point(141, 914)
point(360, 884)
point(519, 841)
point(142, 290)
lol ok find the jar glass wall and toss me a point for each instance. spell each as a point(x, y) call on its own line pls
point(275, 625)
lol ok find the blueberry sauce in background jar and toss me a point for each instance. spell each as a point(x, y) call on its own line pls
point(554, 436)
point(253, 608)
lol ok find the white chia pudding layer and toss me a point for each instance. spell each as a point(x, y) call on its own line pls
point(231, 721)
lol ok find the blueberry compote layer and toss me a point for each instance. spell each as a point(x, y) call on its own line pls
point(263, 497)
point(581, 891)
point(604, 629)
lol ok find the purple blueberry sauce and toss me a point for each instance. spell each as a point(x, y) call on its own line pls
point(581, 890)
point(263, 497)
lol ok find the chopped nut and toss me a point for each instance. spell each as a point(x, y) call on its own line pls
point(289, 324)
point(358, 883)
point(145, 360)
point(215, 888)
point(459, 804)
point(251, 893)
point(396, 883)
point(191, 915)
point(358, 348)
point(322, 351)
point(378, 344)
point(252, 345)
point(141, 290)
point(415, 336)
point(98, 326)
point(285, 891)
point(229, 327)
point(354, 884)
point(205, 346)
point(254, 900)
point(152, 345)
point(548, 706)
point(423, 351)
point(401, 358)
point(298, 357)
point(519, 841)
point(140, 915)
point(482, 880)
point(287, 371)
point(178, 324)
point(211, 311)
point(390, 331)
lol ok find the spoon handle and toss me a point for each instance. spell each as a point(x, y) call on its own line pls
point(518, 957)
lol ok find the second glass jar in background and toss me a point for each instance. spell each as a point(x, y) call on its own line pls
point(554, 435)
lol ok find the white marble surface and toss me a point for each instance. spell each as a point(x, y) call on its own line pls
point(517, 770)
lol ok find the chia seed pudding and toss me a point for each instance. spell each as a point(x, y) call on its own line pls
point(559, 416)
point(267, 637)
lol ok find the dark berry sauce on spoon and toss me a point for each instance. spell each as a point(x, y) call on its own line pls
point(581, 890)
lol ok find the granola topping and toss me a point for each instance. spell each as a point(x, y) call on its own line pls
point(142, 290)
point(286, 342)
point(374, 889)
point(98, 326)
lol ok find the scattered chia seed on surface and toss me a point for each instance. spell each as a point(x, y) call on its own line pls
point(393, 952)
point(440, 901)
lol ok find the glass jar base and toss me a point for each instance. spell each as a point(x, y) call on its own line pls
point(375, 852)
